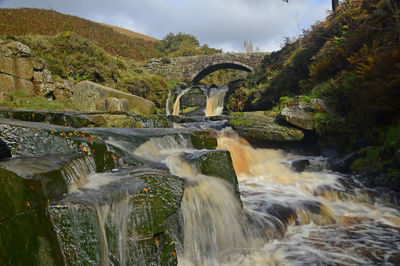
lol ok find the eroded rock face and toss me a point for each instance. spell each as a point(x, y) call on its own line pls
point(19, 67)
point(16, 69)
point(10, 84)
point(43, 82)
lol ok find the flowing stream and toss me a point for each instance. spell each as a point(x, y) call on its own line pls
point(215, 101)
point(288, 218)
point(315, 217)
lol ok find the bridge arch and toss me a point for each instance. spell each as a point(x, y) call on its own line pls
point(200, 74)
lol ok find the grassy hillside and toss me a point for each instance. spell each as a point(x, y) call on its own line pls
point(27, 21)
point(352, 60)
point(131, 34)
point(70, 56)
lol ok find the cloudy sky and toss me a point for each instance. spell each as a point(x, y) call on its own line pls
point(219, 23)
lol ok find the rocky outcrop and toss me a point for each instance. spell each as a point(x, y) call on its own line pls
point(16, 69)
point(89, 96)
point(57, 220)
point(301, 113)
point(261, 126)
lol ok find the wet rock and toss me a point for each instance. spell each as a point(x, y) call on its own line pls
point(72, 119)
point(152, 121)
point(300, 165)
point(270, 132)
point(193, 99)
point(217, 163)
point(203, 140)
point(88, 94)
point(56, 174)
point(38, 139)
point(298, 117)
point(132, 211)
point(26, 185)
point(261, 126)
point(5, 151)
point(342, 164)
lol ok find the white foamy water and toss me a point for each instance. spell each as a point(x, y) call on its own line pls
point(312, 217)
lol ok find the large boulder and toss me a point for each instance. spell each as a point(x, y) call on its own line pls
point(125, 221)
point(89, 94)
point(217, 163)
point(55, 219)
point(297, 116)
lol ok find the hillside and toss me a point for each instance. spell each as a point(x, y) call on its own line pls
point(131, 34)
point(351, 61)
point(27, 21)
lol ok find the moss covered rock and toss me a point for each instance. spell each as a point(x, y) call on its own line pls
point(217, 163)
point(123, 221)
point(261, 126)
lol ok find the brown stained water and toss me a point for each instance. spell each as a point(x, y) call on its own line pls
point(177, 103)
point(312, 217)
point(215, 102)
point(288, 218)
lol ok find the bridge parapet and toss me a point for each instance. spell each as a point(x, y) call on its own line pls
point(190, 66)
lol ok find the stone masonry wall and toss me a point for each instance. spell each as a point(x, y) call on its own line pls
point(188, 67)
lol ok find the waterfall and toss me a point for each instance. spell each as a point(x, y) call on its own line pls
point(215, 102)
point(168, 112)
point(177, 104)
point(215, 228)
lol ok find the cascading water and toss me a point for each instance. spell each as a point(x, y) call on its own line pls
point(216, 231)
point(177, 104)
point(215, 101)
point(317, 217)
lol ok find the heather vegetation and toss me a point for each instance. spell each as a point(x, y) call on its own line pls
point(27, 21)
point(351, 60)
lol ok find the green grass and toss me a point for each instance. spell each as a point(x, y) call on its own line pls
point(24, 101)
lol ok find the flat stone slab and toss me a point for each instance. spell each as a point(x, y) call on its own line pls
point(261, 125)
point(298, 117)
point(89, 94)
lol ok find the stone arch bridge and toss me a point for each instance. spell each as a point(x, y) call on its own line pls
point(194, 68)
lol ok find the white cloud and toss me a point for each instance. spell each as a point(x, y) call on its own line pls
point(220, 23)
